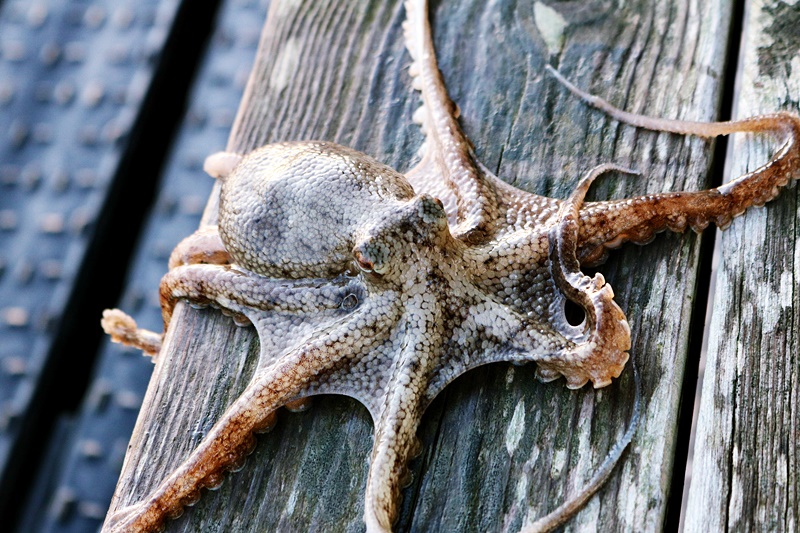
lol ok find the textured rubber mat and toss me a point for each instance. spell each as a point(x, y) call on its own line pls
point(85, 457)
point(73, 76)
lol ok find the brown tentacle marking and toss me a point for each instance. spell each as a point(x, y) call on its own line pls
point(202, 247)
point(604, 354)
point(223, 449)
point(606, 225)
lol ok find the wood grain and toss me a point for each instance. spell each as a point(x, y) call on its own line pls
point(745, 470)
point(500, 448)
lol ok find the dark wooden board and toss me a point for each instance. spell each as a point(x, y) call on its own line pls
point(500, 448)
point(745, 469)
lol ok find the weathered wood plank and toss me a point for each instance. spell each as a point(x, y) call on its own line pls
point(500, 447)
point(745, 470)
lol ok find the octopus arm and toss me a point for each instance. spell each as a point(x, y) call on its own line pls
point(228, 442)
point(605, 225)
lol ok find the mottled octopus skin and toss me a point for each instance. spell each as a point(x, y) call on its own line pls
point(385, 287)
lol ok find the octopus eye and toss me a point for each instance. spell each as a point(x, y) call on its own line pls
point(373, 261)
point(439, 202)
point(362, 262)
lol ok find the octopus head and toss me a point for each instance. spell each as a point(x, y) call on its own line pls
point(405, 235)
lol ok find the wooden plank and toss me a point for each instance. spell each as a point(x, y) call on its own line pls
point(500, 448)
point(745, 470)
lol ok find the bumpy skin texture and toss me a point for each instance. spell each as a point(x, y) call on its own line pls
point(384, 287)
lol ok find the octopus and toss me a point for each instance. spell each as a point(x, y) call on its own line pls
point(385, 287)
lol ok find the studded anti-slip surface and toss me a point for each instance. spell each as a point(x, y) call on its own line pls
point(73, 76)
point(84, 461)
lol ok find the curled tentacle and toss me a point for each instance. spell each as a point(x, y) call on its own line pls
point(604, 354)
point(202, 247)
point(608, 224)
